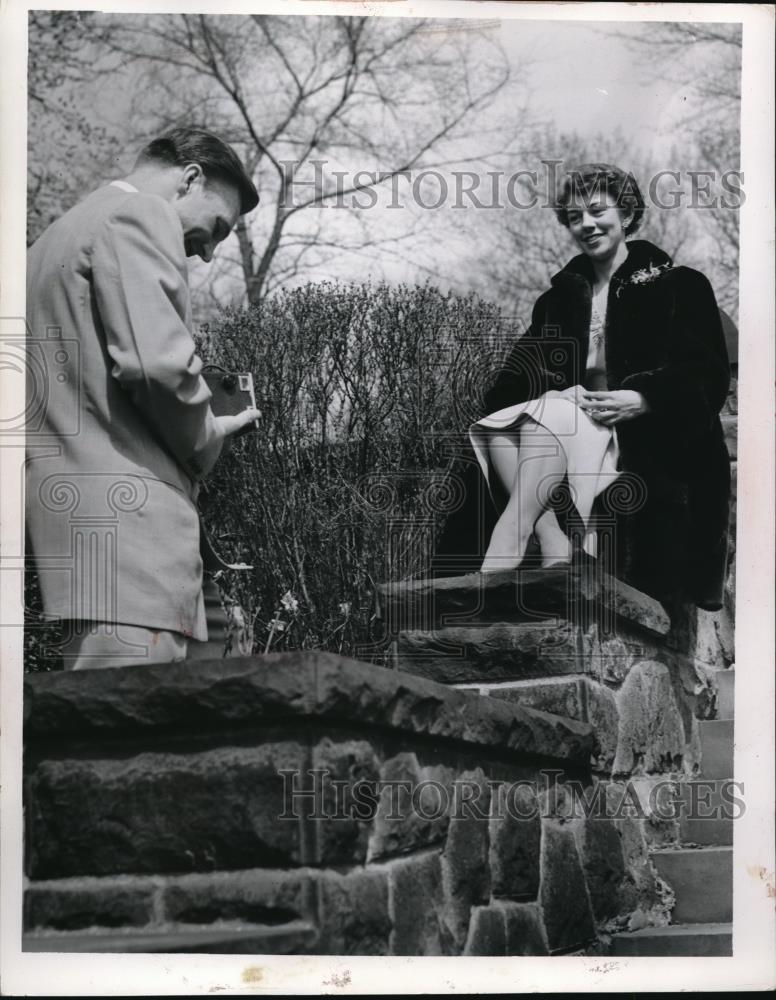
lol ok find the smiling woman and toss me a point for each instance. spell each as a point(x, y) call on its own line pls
point(621, 377)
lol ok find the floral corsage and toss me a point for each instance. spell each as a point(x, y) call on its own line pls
point(644, 275)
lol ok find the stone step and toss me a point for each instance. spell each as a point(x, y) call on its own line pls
point(702, 880)
point(725, 699)
point(699, 940)
point(578, 593)
point(716, 748)
point(293, 938)
point(708, 812)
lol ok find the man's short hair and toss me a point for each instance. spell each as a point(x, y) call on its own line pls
point(218, 160)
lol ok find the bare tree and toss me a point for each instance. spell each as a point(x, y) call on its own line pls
point(704, 60)
point(63, 63)
point(524, 246)
point(326, 111)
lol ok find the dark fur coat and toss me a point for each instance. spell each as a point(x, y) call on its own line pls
point(667, 518)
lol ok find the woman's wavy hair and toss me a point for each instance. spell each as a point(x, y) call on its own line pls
point(582, 182)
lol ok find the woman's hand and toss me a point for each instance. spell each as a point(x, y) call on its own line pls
point(613, 406)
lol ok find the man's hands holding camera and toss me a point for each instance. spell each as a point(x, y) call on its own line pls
point(230, 424)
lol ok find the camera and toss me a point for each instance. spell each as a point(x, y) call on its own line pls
point(232, 393)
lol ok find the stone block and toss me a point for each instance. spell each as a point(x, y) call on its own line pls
point(191, 696)
point(694, 635)
point(600, 712)
point(498, 652)
point(524, 929)
point(608, 655)
point(487, 932)
point(610, 889)
point(341, 837)
point(414, 807)
point(560, 696)
point(199, 699)
point(515, 841)
point(653, 733)
point(400, 701)
point(465, 859)
point(163, 812)
point(256, 897)
point(490, 597)
point(74, 904)
point(353, 912)
point(416, 906)
point(565, 905)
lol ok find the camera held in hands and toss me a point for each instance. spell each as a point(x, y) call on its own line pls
point(232, 392)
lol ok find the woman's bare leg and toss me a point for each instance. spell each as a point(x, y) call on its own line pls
point(540, 470)
point(554, 542)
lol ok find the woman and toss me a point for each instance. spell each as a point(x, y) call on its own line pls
point(621, 376)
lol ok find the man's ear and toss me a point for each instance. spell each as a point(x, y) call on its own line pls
point(191, 176)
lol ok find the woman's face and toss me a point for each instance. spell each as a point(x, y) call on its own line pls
point(597, 226)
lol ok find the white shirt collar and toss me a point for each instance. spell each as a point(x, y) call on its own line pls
point(125, 186)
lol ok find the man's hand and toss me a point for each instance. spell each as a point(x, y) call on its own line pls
point(230, 424)
point(613, 406)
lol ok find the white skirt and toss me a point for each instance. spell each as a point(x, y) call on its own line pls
point(590, 448)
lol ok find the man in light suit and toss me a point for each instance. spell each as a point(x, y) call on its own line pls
point(126, 431)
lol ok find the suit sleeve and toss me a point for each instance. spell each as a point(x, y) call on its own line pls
point(689, 390)
point(141, 292)
point(532, 367)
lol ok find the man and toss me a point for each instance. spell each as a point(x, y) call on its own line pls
point(126, 430)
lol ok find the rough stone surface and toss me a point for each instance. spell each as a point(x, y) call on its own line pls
point(525, 595)
point(558, 696)
point(515, 842)
point(611, 891)
point(502, 651)
point(513, 596)
point(416, 907)
point(464, 862)
point(650, 907)
point(162, 812)
point(632, 606)
point(187, 696)
point(487, 932)
point(579, 698)
point(568, 919)
point(413, 812)
point(600, 711)
point(255, 897)
point(611, 655)
point(341, 837)
point(651, 734)
point(525, 933)
point(354, 916)
point(694, 634)
point(79, 903)
point(202, 696)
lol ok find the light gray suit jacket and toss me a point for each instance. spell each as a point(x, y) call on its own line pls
point(119, 424)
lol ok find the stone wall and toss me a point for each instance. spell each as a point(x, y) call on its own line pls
point(584, 645)
point(160, 805)
point(573, 641)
